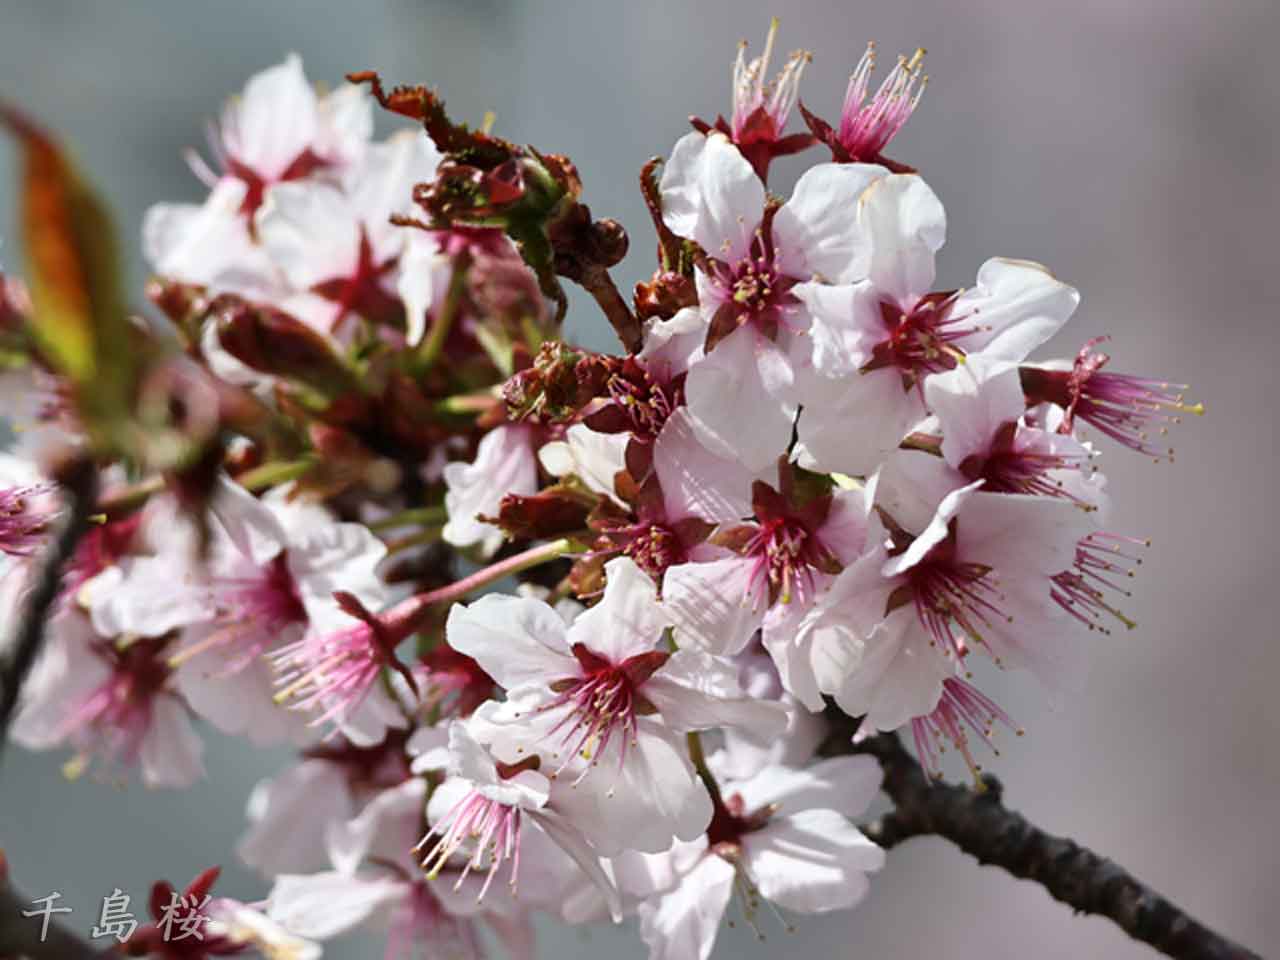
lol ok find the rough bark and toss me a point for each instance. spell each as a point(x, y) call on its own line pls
point(976, 820)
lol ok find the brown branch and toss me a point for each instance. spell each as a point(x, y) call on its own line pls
point(979, 824)
point(80, 484)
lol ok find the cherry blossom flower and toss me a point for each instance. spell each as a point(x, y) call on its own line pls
point(113, 701)
point(782, 836)
point(897, 331)
point(760, 286)
point(334, 671)
point(761, 110)
point(374, 879)
point(488, 815)
point(213, 243)
point(866, 128)
point(604, 702)
point(337, 241)
point(1126, 408)
point(245, 599)
point(278, 131)
point(980, 407)
point(770, 574)
point(958, 569)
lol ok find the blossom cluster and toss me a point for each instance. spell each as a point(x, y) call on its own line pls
point(813, 482)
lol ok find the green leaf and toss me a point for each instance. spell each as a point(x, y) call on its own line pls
point(80, 321)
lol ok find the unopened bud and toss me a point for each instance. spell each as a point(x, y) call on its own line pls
point(271, 341)
point(664, 296)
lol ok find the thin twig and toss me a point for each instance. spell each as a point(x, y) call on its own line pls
point(979, 824)
point(597, 281)
point(80, 485)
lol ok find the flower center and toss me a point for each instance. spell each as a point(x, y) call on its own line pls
point(303, 165)
point(921, 340)
point(866, 127)
point(752, 291)
point(653, 547)
point(787, 559)
point(252, 613)
point(492, 829)
point(602, 704)
point(361, 291)
point(1012, 468)
point(952, 595)
point(1127, 409)
point(644, 402)
point(730, 822)
point(114, 718)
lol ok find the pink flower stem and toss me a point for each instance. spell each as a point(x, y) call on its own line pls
point(408, 613)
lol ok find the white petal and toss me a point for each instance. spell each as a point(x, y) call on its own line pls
point(274, 121)
point(899, 675)
point(628, 620)
point(289, 815)
point(382, 185)
point(695, 481)
point(594, 458)
point(310, 231)
point(338, 556)
point(171, 753)
point(696, 691)
point(683, 924)
point(845, 327)
point(425, 275)
point(1020, 535)
point(725, 391)
point(504, 464)
point(910, 486)
point(386, 830)
point(939, 529)
point(817, 230)
point(1016, 306)
point(812, 862)
point(139, 603)
point(710, 604)
point(971, 403)
point(323, 905)
point(849, 424)
point(240, 704)
point(346, 124)
point(672, 345)
point(907, 226)
point(572, 842)
point(642, 804)
point(711, 195)
point(846, 785)
point(516, 640)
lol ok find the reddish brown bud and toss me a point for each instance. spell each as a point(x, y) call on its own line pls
point(271, 341)
point(558, 384)
point(664, 295)
point(550, 513)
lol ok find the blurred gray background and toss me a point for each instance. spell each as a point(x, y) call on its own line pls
point(1132, 145)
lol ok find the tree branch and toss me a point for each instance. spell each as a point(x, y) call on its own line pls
point(979, 824)
point(80, 484)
